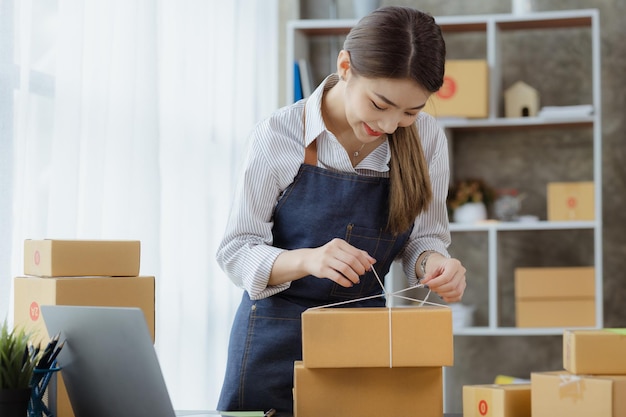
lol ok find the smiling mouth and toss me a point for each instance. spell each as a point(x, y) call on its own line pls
point(370, 131)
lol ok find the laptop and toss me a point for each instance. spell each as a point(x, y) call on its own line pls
point(109, 364)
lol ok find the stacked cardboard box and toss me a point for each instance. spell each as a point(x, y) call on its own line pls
point(79, 272)
point(571, 201)
point(465, 90)
point(373, 361)
point(496, 400)
point(555, 297)
point(593, 382)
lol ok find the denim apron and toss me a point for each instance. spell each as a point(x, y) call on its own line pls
point(266, 337)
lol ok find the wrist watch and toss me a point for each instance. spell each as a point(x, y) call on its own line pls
point(424, 260)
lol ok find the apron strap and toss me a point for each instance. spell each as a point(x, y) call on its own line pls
point(310, 152)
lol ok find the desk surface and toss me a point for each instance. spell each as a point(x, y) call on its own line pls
point(203, 413)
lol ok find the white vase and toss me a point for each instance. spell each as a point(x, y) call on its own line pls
point(470, 213)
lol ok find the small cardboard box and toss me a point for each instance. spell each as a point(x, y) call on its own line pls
point(465, 91)
point(368, 392)
point(33, 292)
point(600, 352)
point(68, 258)
point(564, 394)
point(496, 400)
point(569, 201)
point(361, 337)
point(555, 297)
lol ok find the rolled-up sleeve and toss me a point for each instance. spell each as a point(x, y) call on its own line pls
point(246, 253)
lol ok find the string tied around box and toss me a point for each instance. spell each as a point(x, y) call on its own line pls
point(388, 296)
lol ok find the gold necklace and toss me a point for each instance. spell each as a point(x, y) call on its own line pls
point(356, 153)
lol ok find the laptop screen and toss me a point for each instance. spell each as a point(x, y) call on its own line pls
point(109, 365)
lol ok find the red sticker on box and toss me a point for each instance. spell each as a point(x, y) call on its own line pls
point(448, 89)
point(571, 202)
point(483, 408)
point(34, 311)
point(37, 258)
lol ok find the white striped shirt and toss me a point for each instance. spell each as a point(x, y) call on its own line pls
point(276, 152)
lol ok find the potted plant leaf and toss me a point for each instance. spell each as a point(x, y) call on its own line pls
point(468, 200)
point(18, 359)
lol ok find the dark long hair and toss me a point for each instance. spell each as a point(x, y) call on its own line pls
point(401, 43)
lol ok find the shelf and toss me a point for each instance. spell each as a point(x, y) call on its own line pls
point(471, 23)
point(513, 331)
point(511, 226)
point(492, 29)
point(512, 123)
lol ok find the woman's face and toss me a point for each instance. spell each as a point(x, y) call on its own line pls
point(377, 106)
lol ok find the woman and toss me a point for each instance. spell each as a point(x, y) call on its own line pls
point(336, 185)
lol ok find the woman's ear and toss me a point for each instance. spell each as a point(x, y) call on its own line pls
point(343, 64)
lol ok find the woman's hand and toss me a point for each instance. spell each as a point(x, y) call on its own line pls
point(446, 277)
point(340, 262)
point(337, 260)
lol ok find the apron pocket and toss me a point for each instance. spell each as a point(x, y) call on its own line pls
point(378, 244)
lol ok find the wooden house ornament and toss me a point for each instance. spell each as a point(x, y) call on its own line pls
point(521, 100)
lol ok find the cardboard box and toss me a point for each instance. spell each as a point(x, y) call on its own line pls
point(33, 292)
point(465, 91)
point(510, 400)
point(367, 392)
point(564, 394)
point(68, 258)
point(555, 313)
point(571, 201)
point(361, 337)
point(600, 352)
point(555, 297)
point(555, 282)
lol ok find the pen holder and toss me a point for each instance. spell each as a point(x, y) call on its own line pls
point(36, 405)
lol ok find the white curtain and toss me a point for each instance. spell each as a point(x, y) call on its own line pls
point(130, 121)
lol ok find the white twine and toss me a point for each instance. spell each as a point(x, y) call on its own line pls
point(388, 296)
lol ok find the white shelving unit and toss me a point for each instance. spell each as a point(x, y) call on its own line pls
point(300, 32)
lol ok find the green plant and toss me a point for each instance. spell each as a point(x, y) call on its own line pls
point(469, 191)
point(18, 358)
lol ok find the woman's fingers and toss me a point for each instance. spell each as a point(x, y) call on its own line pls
point(341, 262)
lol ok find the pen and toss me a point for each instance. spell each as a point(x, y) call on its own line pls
point(45, 357)
point(269, 413)
point(55, 354)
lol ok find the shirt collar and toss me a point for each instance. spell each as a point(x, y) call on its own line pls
point(313, 110)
